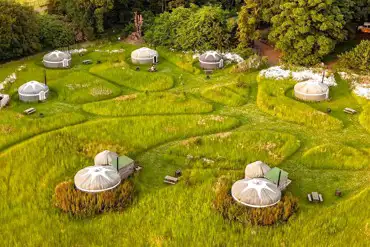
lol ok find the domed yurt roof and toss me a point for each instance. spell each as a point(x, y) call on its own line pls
point(311, 87)
point(256, 170)
point(210, 57)
point(32, 88)
point(256, 192)
point(57, 56)
point(105, 158)
point(97, 179)
point(144, 53)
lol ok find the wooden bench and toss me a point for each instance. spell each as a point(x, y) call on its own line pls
point(170, 180)
point(29, 111)
point(309, 197)
point(349, 110)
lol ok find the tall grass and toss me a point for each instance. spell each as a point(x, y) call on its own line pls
point(148, 104)
point(226, 95)
point(334, 156)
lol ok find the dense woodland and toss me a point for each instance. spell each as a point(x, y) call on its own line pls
point(304, 30)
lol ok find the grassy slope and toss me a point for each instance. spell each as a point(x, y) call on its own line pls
point(271, 126)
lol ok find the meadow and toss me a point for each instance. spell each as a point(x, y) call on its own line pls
point(178, 119)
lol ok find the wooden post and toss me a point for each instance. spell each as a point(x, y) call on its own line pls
point(117, 163)
point(278, 183)
point(45, 80)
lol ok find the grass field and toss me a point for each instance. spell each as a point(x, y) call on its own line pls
point(178, 119)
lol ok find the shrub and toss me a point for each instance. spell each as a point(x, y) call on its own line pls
point(358, 58)
point(253, 63)
point(231, 210)
point(55, 32)
point(77, 203)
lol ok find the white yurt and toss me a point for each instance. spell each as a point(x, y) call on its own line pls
point(57, 59)
point(211, 60)
point(256, 192)
point(97, 179)
point(144, 55)
point(311, 91)
point(257, 169)
point(33, 91)
point(105, 158)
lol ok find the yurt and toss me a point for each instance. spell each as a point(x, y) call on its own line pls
point(57, 59)
point(256, 192)
point(211, 60)
point(105, 158)
point(311, 91)
point(33, 91)
point(144, 55)
point(256, 169)
point(97, 179)
point(4, 100)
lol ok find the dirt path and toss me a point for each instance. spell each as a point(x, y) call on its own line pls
point(268, 51)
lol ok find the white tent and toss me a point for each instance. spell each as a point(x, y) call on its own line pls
point(144, 55)
point(33, 91)
point(211, 60)
point(256, 170)
point(256, 192)
point(4, 100)
point(311, 91)
point(105, 158)
point(57, 59)
point(97, 179)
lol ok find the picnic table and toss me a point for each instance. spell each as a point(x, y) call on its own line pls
point(315, 197)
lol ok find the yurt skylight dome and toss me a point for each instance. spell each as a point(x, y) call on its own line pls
point(97, 179)
point(256, 192)
point(144, 55)
point(311, 91)
point(211, 60)
point(57, 59)
point(33, 91)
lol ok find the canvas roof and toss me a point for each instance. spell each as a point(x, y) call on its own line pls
point(273, 175)
point(122, 162)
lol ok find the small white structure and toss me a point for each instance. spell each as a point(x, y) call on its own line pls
point(311, 91)
point(211, 60)
point(144, 55)
point(4, 100)
point(105, 158)
point(57, 59)
point(256, 169)
point(33, 91)
point(256, 192)
point(97, 179)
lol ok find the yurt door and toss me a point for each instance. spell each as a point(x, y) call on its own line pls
point(42, 96)
point(221, 63)
point(65, 63)
point(155, 59)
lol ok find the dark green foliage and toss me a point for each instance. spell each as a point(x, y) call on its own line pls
point(192, 29)
point(306, 31)
point(229, 209)
point(55, 32)
point(358, 58)
point(81, 204)
point(19, 32)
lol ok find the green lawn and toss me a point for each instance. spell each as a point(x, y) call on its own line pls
point(176, 118)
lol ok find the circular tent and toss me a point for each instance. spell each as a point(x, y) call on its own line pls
point(97, 179)
point(311, 91)
point(256, 192)
point(33, 91)
point(57, 59)
point(211, 60)
point(144, 55)
point(256, 170)
point(105, 158)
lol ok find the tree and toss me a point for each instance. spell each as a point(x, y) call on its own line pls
point(54, 32)
point(249, 18)
point(19, 32)
point(307, 30)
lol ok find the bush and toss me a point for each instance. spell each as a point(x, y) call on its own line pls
point(231, 210)
point(358, 58)
point(19, 31)
point(253, 63)
point(55, 32)
point(81, 204)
